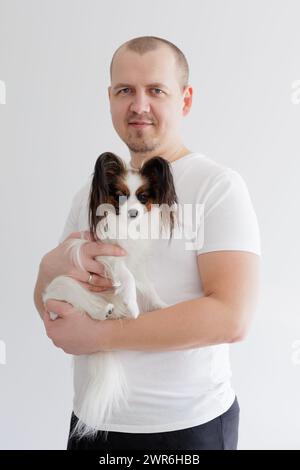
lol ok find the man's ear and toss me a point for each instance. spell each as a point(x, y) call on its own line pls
point(187, 100)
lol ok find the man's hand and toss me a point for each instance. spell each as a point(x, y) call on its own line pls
point(75, 332)
point(59, 262)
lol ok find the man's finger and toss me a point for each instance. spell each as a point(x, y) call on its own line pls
point(97, 248)
point(96, 289)
point(58, 306)
point(86, 235)
point(103, 249)
point(100, 281)
point(47, 322)
point(94, 267)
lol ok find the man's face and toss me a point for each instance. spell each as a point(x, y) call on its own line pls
point(146, 88)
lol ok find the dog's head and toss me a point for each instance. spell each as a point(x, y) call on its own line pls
point(130, 195)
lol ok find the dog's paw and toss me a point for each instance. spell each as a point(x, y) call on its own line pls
point(109, 309)
point(159, 305)
point(132, 308)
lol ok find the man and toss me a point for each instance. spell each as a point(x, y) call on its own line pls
point(176, 358)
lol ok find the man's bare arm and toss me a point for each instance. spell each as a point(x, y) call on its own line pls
point(230, 281)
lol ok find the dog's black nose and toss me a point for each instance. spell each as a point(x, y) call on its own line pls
point(133, 213)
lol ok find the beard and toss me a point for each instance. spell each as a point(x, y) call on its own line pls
point(139, 143)
point(141, 147)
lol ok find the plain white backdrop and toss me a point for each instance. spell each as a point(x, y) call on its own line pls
point(54, 69)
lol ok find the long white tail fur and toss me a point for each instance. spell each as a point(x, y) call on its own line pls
point(106, 386)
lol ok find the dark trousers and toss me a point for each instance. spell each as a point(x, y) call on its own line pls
point(220, 433)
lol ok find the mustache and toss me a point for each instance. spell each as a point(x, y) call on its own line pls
point(138, 120)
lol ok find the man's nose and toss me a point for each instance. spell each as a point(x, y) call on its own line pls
point(140, 103)
point(132, 213)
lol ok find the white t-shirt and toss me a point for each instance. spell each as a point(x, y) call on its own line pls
point(172, 390)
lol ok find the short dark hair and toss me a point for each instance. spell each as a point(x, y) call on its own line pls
point(144, 44)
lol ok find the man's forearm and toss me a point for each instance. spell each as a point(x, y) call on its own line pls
point(194, 323)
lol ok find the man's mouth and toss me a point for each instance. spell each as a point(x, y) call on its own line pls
point(140, 124)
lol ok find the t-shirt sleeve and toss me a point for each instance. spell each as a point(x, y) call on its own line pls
point(72, 221)
point(229, 221)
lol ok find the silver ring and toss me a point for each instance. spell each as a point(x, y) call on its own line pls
point(89, 281)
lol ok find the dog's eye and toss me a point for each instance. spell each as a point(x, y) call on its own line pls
point(143, 198)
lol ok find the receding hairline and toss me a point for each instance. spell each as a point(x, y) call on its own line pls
point(144, 44)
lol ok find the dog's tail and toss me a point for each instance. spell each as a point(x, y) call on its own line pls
point(105, 390)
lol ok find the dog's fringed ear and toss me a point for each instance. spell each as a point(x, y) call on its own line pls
point(108, 168)
point(158, 172)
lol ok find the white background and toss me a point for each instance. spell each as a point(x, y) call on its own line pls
point(54, 60)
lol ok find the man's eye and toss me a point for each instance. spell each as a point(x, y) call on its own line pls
point(151, 88)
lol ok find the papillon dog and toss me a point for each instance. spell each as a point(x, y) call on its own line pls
point(127, 207)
